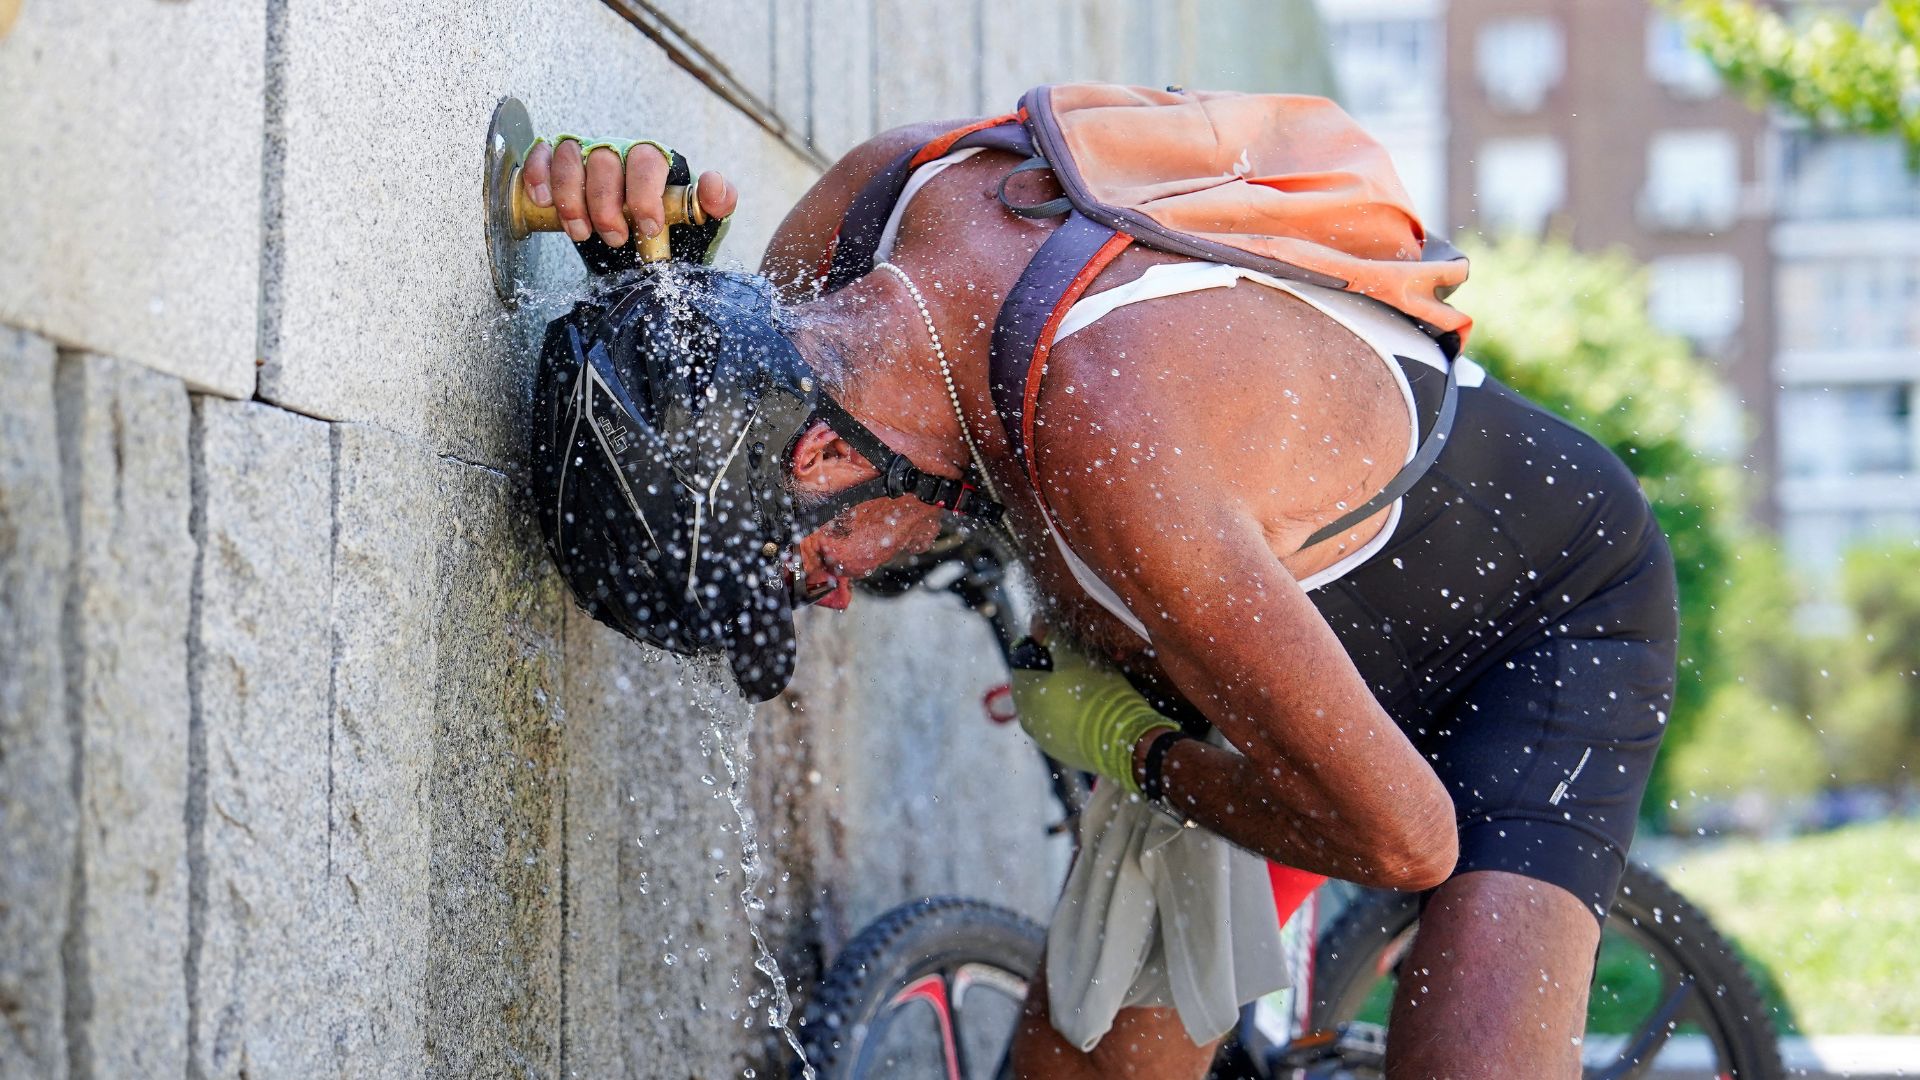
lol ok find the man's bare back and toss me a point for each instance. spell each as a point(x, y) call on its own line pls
point(1255, 382)
point(1238, 423)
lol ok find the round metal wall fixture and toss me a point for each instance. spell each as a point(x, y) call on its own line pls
point(508, 138)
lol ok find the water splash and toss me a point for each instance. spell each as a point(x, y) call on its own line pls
point(733, 742)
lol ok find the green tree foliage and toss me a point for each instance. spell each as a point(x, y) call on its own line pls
point(1757, 733)
point(1876, 706)
point(1744, 741)
point(1569, 329)
point(1822, 65)
point(1797, 710)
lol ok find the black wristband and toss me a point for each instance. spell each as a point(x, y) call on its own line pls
point(1150, 778)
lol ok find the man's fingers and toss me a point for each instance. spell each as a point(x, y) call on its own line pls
point(717, 196)
point(535, 175)
point(570, 190)
point(605, 202)
point(599, 194)
point(646, 181)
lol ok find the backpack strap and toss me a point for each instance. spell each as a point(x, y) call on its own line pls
point(858, 239)
point(1058, 275)
point(1413, 470)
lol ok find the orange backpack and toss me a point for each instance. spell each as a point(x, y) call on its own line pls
point(1283, 184)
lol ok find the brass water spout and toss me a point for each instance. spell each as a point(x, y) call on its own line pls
point(511, 215)
point(682, 206)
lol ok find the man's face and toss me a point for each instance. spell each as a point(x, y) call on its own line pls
point(860, 541)
point(861, 538)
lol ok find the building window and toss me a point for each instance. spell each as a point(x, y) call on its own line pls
point(1845, 176)
point(1675, 64)
point(1817, 541)
point(1860, 302)
point(1693, 180)
point(1522, 182)
point(1696, 296)
point(1847, 431)
point(1422, 166)
point(1520, 60)
point(1387, 66)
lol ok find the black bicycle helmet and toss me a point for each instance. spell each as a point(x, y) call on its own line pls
point(667, 405)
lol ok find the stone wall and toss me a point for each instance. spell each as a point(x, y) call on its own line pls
point(308, 766)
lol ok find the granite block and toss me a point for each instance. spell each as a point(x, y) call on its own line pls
point(125, 430)
point(736, 33)
point(375, 325)
point(264, 997)
point(689, 991)
point(496, 791)
point(927, 61)
point(1030, 42)
point(386, 597)
point(37, 811)
point(920, 793)
point(600, 665)
point(156, 259)
point(792, 65)
point(842, 106)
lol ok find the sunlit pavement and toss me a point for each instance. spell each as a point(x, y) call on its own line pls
point(1855, 1057)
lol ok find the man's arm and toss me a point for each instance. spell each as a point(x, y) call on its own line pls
point(1328, 782)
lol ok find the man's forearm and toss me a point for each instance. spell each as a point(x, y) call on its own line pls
point(1286, 820)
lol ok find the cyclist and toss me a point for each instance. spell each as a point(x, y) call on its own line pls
point(1458, 691)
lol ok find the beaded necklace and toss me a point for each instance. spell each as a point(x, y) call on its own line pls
point(946, 375)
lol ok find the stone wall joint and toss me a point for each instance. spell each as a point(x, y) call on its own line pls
point(68, 413)
point(196, 801)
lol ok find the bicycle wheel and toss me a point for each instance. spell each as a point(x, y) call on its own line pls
point(1670, 996)
point(931, 989)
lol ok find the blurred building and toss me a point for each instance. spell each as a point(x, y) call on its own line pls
point(1499, 125)
point(1846, 244)
point(1791, 260)
point(1625, 141)
point(1389, 57)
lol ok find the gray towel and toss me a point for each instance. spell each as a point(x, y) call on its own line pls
point(1158, 913)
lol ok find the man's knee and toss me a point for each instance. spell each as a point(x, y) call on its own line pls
point(1498, 920)
point(1497, 981)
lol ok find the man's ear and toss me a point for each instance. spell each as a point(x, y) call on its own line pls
point(824, 463)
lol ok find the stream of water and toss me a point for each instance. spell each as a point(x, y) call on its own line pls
point(733, 741)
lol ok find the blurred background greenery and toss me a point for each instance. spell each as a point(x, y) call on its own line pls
point(1796, 705)
point(1695, 232)
point(1768, 712)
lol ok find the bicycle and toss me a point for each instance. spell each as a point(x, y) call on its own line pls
point(933, 988)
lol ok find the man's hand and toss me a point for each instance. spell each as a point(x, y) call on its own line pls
point(1084, 717)
point(602, 195)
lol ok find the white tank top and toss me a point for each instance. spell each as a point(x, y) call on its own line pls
point(1384, 330)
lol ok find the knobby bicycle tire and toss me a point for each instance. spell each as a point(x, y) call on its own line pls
point(1349, 958)
point(933, 936)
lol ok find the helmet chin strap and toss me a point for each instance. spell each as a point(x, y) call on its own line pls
point(898, 476)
